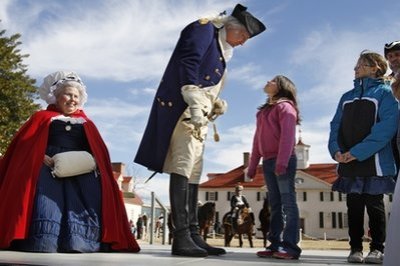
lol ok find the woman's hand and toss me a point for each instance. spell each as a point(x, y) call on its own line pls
point(48, 161)
point(348, 157)
point(344, 157)
point(339, 157)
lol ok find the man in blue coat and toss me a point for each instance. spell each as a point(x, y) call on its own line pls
point(186, 100)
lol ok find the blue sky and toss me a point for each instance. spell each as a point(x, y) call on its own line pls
point(120, 48)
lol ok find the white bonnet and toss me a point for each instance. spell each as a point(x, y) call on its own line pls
point(52, 81)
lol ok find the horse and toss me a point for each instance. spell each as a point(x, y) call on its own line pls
point(245, 226)
point(206, 216)
point(264, 217)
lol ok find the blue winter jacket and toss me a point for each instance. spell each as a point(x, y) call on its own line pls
point(365, 122)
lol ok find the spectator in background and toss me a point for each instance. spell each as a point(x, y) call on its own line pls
point(139, 227)
point(145, 221)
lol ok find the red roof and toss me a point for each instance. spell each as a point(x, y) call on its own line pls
point(116, 175)
point(325, 172)
point(136, 200)
point(126, 179)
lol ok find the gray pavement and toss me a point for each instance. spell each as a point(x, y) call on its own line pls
point(160, 255)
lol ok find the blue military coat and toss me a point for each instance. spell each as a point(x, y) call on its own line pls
point(196, 60)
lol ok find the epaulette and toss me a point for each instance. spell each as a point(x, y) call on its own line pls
point(203, 21)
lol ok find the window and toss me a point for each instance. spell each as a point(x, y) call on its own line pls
point(229, 195)
point(340, 196)
point(259, 196)
point(212, 196)
point(340, 219)
point(345, 220)
point(326, 195)
point(332, 197)
point(321, 220)
point(333, 219)
point(301, 196)
point(344, 197)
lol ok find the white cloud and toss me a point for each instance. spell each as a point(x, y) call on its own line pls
point(250, 74)
point(114, 108)
point(143, 91)
point(118, 40)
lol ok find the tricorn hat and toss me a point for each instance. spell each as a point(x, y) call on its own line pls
point(252, 24)
point(393, 46)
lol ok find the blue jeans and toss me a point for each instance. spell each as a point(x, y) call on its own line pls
point(284, 227)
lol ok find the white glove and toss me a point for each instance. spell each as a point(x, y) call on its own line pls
point(197, 117)
point(220, 107)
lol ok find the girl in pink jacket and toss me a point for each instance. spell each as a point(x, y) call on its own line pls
point(274, 142)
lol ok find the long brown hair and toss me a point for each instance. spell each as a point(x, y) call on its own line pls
point(286, 90)
point(375, 60)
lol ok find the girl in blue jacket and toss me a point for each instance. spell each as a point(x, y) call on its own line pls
point(360, 141)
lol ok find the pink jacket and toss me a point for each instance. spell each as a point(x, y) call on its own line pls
point(275, 136)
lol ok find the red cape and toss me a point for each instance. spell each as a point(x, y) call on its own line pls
point(19, 172)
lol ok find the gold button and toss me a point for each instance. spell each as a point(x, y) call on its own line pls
point(158, 99)
point(200, 85)
point(170, 104)
point(162, 103)
point(221, 58)
point(207, 77)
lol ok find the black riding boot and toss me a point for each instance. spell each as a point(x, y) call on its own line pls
point(182, 243)
point(194, 224)
point(234, 223)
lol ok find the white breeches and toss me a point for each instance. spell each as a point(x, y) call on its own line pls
point(185, 154)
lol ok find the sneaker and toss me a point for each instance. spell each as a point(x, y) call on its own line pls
point(267, 253)
point(283, 254)
point(355, 257)
point(374, 257)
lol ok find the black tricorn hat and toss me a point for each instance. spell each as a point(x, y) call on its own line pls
point(390, 47)
point(252, 24)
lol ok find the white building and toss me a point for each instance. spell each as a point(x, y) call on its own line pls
point(133, 202)
point(323, 213)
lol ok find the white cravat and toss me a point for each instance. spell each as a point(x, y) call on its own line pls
point(227, 49)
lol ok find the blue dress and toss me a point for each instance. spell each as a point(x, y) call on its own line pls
point(373, 185)
point(66, 215)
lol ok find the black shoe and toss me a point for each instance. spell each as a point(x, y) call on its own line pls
point(198, 240)
point(183, 245)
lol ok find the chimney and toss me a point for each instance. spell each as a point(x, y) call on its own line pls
point(246, 157)
point(119, 168)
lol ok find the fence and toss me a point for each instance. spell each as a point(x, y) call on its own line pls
point(155, 200)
